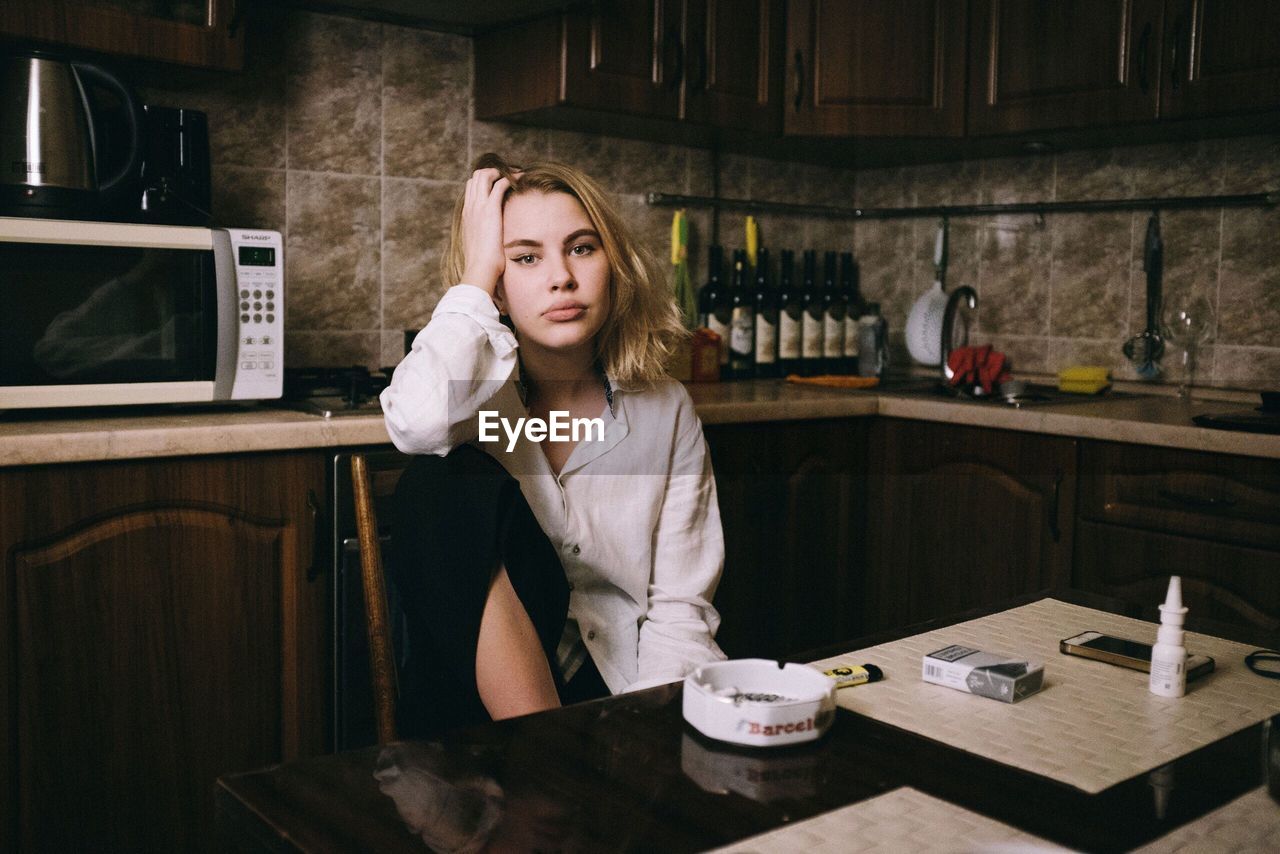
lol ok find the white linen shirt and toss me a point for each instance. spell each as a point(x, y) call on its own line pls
point(634, 517)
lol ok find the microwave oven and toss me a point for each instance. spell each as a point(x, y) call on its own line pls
point(108, 314)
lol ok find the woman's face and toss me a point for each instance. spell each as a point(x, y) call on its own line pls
point(555, 287)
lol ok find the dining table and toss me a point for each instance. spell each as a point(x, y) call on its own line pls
point(628, 773)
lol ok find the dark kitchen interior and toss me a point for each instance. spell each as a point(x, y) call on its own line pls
point(186, 661)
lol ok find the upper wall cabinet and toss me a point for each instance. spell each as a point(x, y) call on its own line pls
point(1223, 56)
point(870, 68)
point(200, 33)
point(734, 77)
point(706, 61)
point(1099, 63)
point(1039, 66)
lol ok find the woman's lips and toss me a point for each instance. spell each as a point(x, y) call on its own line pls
point(564, 314)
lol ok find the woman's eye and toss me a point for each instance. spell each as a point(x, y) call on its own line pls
point(583, 249)
point(524, 259)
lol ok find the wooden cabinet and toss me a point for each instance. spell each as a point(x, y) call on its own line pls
point(1099, 63)
point(159, 629)
point(960, 517)
point(734, 76)
point(626, 57)
point(822, 71)
point(791, 503)
point(1148, 513)
point(1043, 66)
point(1222, 56)
point(705, 61)
point(202, 33)
point(868, 68)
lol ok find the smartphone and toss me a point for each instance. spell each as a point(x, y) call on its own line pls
point(1126, 653)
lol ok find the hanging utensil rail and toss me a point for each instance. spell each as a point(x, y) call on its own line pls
point(1270, 199)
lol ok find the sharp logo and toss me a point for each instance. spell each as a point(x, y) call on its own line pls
point(265, 237)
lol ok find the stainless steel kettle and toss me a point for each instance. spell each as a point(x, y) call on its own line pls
point(54, 160)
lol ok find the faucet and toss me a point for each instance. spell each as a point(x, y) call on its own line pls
point(969, 296)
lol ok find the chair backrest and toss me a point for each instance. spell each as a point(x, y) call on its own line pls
point(381, 652)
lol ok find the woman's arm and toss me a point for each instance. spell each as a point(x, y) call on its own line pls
point(677, 632)
point(457, 364)
point(465, 354)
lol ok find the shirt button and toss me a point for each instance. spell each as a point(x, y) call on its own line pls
point(570, 585)
point(577, 550)
point(591, 635)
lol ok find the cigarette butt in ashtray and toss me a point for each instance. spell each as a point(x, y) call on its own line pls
point(848, 675)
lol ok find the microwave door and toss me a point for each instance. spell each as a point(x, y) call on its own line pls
point(129, 317)
point(226, 298)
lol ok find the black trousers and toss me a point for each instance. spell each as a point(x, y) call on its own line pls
point(456, 519)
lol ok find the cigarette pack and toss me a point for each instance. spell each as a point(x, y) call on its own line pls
point(983, 673)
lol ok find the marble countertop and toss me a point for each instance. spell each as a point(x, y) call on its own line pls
point(1149, 420)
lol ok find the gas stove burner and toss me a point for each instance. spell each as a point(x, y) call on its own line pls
point(334, 391)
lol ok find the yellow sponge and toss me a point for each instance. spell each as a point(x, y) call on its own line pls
point(1084, 379)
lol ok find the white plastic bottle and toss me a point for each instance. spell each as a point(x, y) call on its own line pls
point(1169, 656)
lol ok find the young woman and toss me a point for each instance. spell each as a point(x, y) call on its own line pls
point(596, 574)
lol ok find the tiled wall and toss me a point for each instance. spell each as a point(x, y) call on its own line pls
point(353, 139)
point(1070, 289)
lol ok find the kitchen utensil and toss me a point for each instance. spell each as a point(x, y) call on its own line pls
point(1145, 349)
point(924, 323)
point(174, 176)
point(685, 297)
point(65, 153)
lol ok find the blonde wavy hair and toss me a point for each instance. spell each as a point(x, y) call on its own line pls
point(643, 326)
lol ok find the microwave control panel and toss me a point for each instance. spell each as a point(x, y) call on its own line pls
point(259, 264)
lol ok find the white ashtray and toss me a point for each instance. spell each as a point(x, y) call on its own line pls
point(758, 702)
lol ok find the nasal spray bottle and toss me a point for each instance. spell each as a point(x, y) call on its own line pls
point(1169, 656)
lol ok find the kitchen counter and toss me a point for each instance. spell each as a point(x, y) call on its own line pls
point(1150, 420)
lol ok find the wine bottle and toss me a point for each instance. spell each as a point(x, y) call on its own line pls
point(742, 329)
point(790, 315)
point(708, 293)
point(833, 316)
point(811, 350)
point(713, 307)
point(852, 312)
point(766, 319)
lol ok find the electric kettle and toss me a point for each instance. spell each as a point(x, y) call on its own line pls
point(65, 151)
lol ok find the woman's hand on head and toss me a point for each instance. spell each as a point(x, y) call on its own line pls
point(482, 229)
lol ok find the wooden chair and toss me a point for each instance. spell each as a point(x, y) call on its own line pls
point(381, 652)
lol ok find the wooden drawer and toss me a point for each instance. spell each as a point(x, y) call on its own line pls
point(1212, 496)
point(1221, 582)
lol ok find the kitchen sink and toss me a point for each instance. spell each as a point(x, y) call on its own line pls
point(1026, 394)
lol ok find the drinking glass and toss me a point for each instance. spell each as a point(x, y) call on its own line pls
point(1187, 325)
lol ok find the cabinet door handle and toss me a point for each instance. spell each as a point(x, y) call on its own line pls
point(1199, 502)
point(320, 542)
point(1175, 74)
point(237, 16)
point(1144, 79)
point(1055, 530)
point(698, 78)
point(670, 44)
point(799, 80)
